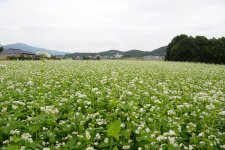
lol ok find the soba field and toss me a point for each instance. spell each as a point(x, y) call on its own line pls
point(111, 105)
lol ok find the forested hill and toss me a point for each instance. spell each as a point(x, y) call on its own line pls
point(32, 49)
point(159, 51)
point(131, 53)
point(196, 49)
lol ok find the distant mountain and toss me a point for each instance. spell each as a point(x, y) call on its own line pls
point(159, 51)
point(105, 53)
point(72, 55)
point(131, 53)
point(136, 53)
point(109, 53)
point(29, 48)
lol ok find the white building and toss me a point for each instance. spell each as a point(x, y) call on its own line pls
point(118, 55)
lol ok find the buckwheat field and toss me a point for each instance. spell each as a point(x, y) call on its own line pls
point(111, 105)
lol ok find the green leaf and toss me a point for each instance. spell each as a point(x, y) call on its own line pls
point(102, 145)
point(115, 148)
point(114, 129)
point(194, 140)
point(16, 140)
point(206, 140)
point(71, 143)
point(126, 134)
point(12, 147)
point(142, 138)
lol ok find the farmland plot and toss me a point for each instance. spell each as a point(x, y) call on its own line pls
point(112, 105)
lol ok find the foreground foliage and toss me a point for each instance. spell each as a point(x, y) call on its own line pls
point(111, 105)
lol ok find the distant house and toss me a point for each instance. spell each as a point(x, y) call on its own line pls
point(153, 57)
point(77, 58)
point(16, 53)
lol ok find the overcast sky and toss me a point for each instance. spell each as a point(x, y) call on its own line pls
point(99, 25)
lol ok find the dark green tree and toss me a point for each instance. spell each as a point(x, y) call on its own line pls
point(201, 43)
point(196, 49)
point(184, 50)
point(1, 48)
point(170, 49)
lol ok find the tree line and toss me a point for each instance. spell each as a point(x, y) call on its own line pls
point(1, 48)
point(196, 49)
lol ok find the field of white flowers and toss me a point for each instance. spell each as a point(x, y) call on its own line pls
point(111, 105)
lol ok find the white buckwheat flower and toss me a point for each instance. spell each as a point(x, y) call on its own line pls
point(49, 109)
point(27, 137)
point(88, 135)
point(126, 147)
point(171, 112)
point(222, 113)
point(90, 148)
point(106, 140)
point(97, 136)
point(14, 132)
point(122, 125)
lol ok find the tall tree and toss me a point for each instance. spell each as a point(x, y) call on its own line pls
point(196, 49)
point(185, 50)
point(170, 49)
point(202, 47)
point(1, 48)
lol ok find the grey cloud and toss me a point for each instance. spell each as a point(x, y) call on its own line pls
point(97, 25)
